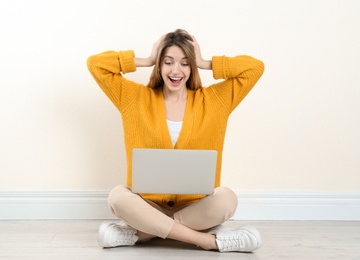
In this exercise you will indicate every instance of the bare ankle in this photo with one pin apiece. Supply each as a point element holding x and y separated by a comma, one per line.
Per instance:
<point>143,237</point>
<point>209,243</point>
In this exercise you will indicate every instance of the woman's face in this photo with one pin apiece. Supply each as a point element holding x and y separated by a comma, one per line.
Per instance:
<point>175,69</point>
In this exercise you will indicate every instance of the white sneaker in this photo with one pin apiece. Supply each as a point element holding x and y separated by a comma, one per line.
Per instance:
<point>116,233</point>
<point>242,239</point>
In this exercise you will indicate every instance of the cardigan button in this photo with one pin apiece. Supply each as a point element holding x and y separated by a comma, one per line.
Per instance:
<point>170,203</point>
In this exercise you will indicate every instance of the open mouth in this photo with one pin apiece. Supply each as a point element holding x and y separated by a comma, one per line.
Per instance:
<point>175,81</point>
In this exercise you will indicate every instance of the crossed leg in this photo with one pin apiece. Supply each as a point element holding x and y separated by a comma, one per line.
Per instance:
<point>184,224</point>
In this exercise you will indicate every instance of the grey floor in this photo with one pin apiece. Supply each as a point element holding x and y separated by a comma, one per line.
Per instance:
<point>77,240</point>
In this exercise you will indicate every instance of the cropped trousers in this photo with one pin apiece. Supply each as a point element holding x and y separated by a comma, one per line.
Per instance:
<point>151,218</point>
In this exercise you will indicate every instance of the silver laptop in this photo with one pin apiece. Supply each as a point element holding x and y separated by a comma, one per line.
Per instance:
<point>173,171</point>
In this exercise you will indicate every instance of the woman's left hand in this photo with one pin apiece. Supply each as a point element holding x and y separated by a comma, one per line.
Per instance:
<point>200,62</point>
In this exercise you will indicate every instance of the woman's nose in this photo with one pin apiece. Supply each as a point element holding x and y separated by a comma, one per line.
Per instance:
<point>175,68</point>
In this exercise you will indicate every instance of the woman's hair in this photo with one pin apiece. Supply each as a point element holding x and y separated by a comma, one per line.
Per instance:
<point>181,39</point>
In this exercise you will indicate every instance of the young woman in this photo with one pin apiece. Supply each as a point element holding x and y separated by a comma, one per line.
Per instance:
<point>174,111</point>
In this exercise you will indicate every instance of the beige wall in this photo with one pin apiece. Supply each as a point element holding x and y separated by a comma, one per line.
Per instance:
<point>298,130</point>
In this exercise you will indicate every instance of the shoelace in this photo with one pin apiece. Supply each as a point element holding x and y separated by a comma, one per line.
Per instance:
<point>234,242</point>
<point>124,234</point>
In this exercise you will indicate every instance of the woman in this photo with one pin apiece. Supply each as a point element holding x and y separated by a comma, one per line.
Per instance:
<point>174,111</point>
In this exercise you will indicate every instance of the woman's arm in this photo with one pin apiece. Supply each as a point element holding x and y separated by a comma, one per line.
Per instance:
<point>108,68</point>
<point>240,74</point>
<point>143,62</point>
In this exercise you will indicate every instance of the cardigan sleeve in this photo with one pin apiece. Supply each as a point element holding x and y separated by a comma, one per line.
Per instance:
<point>107,69</point>
<point>240,74</point>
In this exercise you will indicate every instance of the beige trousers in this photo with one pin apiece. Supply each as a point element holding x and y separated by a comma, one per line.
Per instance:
<point>153,219</point>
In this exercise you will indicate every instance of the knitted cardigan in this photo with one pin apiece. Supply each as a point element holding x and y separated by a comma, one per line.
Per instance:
<point>143,110</point>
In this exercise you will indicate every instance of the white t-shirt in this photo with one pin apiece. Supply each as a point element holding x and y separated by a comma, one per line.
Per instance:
<point>174,129</point>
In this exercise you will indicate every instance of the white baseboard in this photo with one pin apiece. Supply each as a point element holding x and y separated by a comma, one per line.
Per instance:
<point>54,205</point>
<point>42,205</point>
<point>298,206</point>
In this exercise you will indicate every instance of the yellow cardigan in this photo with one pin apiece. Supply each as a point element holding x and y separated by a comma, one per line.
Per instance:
<point>143,110</point>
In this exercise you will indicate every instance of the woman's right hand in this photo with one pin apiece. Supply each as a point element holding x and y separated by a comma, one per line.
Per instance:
<point>150,61</point>
<point>155,50</point>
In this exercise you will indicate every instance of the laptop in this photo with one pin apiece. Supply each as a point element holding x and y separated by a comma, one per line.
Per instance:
<point>173,171</point>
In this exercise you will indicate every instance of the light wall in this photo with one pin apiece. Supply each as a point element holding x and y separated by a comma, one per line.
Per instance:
<point>298,130</point>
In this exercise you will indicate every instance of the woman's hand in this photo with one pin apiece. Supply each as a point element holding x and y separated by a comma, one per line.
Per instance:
<point>155,50</point>
<point>150,61</point>
<point>200,62</point>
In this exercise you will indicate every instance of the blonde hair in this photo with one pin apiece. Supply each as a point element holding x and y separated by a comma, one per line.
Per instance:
<point>180,38</point>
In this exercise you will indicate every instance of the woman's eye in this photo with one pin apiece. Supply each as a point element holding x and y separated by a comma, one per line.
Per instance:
<point>185,64</point>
